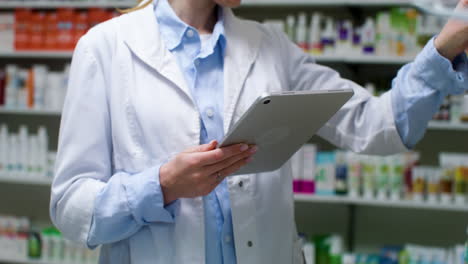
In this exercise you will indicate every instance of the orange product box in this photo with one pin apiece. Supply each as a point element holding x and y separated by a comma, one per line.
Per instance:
<point>65,37</point>
<point>22,27</point>
<point>37,33</point>
<point>96,16</point>
<point>81,23</point>
<point>50,41</point>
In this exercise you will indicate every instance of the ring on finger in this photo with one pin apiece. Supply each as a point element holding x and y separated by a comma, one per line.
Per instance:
<point>219,177</point>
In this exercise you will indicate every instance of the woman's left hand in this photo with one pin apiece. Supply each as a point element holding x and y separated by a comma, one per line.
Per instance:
<point>453,39</point>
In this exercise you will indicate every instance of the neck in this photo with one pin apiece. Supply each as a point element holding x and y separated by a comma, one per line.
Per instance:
<point>199,14</point>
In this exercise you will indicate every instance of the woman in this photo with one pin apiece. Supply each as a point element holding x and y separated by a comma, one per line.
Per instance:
<point>150,94</point>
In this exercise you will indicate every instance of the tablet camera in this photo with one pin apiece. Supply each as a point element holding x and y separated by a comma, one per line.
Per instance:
<point>267,101</point>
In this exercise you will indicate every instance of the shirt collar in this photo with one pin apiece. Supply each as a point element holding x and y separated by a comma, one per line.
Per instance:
<point>173,29</point>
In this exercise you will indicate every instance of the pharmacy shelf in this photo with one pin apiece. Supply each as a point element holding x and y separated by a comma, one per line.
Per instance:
<point>39,181</point>
<point>29,112</point>
<point>31,261</point>
<point>378,203</point>
<point>6,4</point>
<point>445,125</point>
<point>364,59</point>
<point>343,200</point>
<point>356,59</point>
<point>37,54</point>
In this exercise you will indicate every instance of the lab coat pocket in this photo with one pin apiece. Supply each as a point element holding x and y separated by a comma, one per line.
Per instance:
<point>298,254</point>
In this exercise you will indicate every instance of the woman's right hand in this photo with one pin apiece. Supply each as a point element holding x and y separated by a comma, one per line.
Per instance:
<point>198,170</point>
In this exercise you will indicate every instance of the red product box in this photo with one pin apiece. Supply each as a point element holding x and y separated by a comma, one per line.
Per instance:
<point>50,41</point>
<point>22,28</point>
<point>38,31</point>
<point>81,23</point>
<point>65,36</point>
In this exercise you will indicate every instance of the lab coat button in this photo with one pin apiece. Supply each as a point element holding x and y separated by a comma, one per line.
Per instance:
<point>249,244</point>
<point>189,33</point>
<point>241,183</point>
<point>210,112</point>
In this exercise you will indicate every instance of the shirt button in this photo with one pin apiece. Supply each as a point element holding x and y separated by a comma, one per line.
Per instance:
<point>249,244</point>
<point>210,112</point>
<point>189,33</point>
<point>227,239</point>
<point>241,183</point>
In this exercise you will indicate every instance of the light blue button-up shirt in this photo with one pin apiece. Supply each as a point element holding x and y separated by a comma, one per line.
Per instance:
<point>201,63</point>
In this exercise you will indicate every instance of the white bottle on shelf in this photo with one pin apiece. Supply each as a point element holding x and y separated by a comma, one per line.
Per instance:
<point>315,45</point>
<point>3,149</point>
<point>23,150</point>
<point>301,32</point>
<point>11,90</point>
<point>40,82</point>
<point>43,150</point>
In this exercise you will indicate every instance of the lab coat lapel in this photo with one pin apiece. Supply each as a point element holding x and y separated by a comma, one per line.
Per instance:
<point>242,47</point>
<point>141,34</point>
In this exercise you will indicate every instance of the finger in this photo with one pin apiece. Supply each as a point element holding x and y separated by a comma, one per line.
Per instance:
<point>202,148</point>
<point>211,169</point>
<point>220,154</point>
<point>234,167</point>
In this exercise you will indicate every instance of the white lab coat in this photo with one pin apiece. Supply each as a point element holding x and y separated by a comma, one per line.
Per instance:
<point>128,107</point>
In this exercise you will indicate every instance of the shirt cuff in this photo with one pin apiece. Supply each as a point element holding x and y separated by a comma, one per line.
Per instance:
<point>146,199</point>
<point>430,66</point>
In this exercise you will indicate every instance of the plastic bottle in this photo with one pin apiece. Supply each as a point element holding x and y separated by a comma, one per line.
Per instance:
<point>315,44</point>
<point>354,175</point>
<point>345,30</point>
<point>460,182</point>
<point>290,26</point>
<point>383,178</point>
<point>301,32</point>
<point>419,183</point>
<point>325,173</point>
<point>383,34</point>
<point>396,177</point>
<point>310,156</point>
<point>23,150</point>
<point>328,37</point>
<point>341,181</point>
<point>368,36</point>
<point>43,143</point>
<point>336,249</point>
<point>433,188</point>
<point>369,172</point>
<point>447,178</point>
<point>3,149</point>
<point>466,248</point>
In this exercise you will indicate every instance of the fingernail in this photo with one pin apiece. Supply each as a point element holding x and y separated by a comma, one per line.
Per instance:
<point>253,149</point>
<point>244,147</point>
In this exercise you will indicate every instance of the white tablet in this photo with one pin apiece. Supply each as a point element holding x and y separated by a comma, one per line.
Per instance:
<point>280,123</point>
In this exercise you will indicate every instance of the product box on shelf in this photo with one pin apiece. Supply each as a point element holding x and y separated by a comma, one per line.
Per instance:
<point>394,32</point>
<point>330,249</point>
<point>24,155</point>
<point>391,178</point>
<point>26,29</point>
<point>34,88</point>
<point>20,241</point>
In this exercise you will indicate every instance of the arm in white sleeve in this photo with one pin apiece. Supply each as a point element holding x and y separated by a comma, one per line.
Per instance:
<point>90,203</point>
